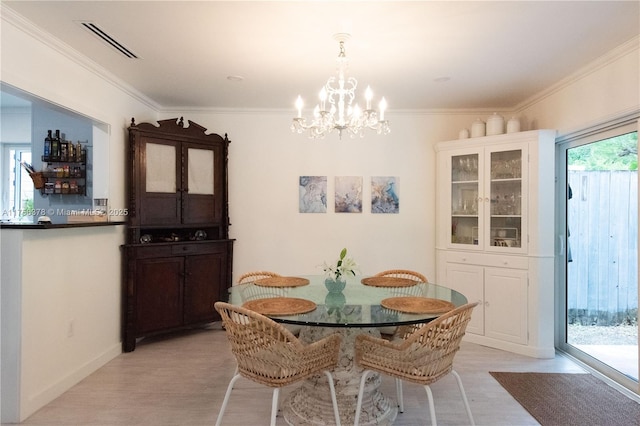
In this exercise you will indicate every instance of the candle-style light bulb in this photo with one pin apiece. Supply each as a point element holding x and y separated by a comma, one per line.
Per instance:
<point>323,98</point>
<point>368,95</point>
<point>299,105</point>
<point>383,107</point>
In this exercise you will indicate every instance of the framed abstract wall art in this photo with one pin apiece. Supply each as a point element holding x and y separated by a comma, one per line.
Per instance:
<point>312,194</point>
<point>384,194</point>
<point>348,194</point>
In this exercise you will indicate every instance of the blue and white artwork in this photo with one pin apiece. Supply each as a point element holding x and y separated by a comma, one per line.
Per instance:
<point>384,194</point>
<point>312,194</point>
<point>348,194</point>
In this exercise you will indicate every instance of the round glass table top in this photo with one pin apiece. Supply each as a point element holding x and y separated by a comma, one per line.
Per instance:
<point>357,305</point>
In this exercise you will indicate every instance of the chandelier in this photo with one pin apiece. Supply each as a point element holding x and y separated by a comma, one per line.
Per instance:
<point>335,110</point>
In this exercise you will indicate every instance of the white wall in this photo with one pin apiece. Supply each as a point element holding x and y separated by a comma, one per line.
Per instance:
<point>71,308</point>
<point>265,162</point>
<point>16,125</point>
<point>68,274</point>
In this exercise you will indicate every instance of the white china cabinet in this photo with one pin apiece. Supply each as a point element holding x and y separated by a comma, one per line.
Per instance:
<point>494,239</point>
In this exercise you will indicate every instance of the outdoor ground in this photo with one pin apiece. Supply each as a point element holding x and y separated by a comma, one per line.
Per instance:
<point>602,335</point>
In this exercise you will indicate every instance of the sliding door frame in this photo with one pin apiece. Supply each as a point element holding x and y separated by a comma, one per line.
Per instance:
<point>623,124</point>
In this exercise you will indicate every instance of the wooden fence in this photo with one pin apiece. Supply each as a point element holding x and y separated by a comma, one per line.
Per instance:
<point>602,281</point>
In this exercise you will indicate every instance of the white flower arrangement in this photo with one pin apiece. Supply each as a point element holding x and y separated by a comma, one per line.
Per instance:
<point>342,267</point>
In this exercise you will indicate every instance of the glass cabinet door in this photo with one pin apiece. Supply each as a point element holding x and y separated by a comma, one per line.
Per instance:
<point>160,186</point>
<point>506,198</point>
<point>465,219</point>
<point>160,168</point>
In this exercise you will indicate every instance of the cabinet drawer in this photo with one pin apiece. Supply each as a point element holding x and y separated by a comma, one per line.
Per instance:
<point>173,249</point>
<point>149,251</point>
<point>196,248</point>
<point>515,262</point>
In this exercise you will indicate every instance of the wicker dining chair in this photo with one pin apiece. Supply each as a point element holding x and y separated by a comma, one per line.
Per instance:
<point>267,353</point>
<point>423,355</point>
<point>389,332</point>
<point>256,292</point>
<point>256,275</point>
<point>403,273</point>
<point>253,292</point>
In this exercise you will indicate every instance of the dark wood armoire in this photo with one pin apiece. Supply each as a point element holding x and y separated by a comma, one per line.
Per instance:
<point>178,255</point>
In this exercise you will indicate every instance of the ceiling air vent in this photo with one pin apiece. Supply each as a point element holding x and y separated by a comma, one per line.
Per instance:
<point>90,26</point>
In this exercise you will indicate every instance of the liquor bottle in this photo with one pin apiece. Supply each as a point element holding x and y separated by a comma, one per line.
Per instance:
<point>47,145</point>
<point>55,146</point>
<point>71,152</point>
<point>64,150</point>
<point>79,152</point>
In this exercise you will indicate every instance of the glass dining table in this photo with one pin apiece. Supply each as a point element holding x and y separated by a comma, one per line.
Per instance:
<point>313,308</point>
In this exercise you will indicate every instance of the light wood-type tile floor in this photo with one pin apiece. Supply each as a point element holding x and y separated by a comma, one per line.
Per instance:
<point>181,380</point>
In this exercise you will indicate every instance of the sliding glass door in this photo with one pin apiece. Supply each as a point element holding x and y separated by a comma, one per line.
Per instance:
<point>599,248</point>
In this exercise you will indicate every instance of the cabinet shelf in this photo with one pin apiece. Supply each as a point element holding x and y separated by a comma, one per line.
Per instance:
<point>50,159</point>
<point>507,180</point>
<point>55,175</point>
<point>64,177</point>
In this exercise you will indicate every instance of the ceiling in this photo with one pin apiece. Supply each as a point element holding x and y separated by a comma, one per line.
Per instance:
<point>420,55</point>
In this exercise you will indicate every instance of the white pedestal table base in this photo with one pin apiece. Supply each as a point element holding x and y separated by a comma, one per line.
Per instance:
<point>311,403</point>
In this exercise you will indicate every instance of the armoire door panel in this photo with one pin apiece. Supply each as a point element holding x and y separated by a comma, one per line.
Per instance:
<point>506,304</point>
<point>198,209</point>
<point>160,209</point>
<point>468,280</point>
<point>158,293</point>
<point>203,286</point>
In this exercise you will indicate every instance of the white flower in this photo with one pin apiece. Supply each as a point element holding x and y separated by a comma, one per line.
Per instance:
<point>342,267</point>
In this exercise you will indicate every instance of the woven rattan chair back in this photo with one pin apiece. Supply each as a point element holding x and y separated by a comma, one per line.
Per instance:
<point>269,354</point>
<point>403,273</point>
<point>390,331</point>
<point>256,275</point>
<point>253,292</point>
<point>422,353</point>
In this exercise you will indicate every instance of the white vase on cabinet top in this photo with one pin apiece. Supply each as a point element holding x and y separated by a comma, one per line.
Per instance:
<point>495,125</point>
<point>478,129</point>
<point>513,125</point>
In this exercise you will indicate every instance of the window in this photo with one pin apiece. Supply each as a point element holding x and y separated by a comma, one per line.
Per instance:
<point>17,186</point>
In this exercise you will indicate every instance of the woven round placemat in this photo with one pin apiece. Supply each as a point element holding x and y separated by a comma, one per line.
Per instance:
<point>388,282</point>
<point>417,305</point>
<point>281,282</point>
<point>280,306</point>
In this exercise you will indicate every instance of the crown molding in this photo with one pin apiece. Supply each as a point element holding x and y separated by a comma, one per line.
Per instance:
<point>13,18</point>
<point>608,58</point>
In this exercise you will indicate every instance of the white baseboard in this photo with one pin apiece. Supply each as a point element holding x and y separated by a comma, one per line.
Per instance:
<point>33,403</point>
<point>532,351</point>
